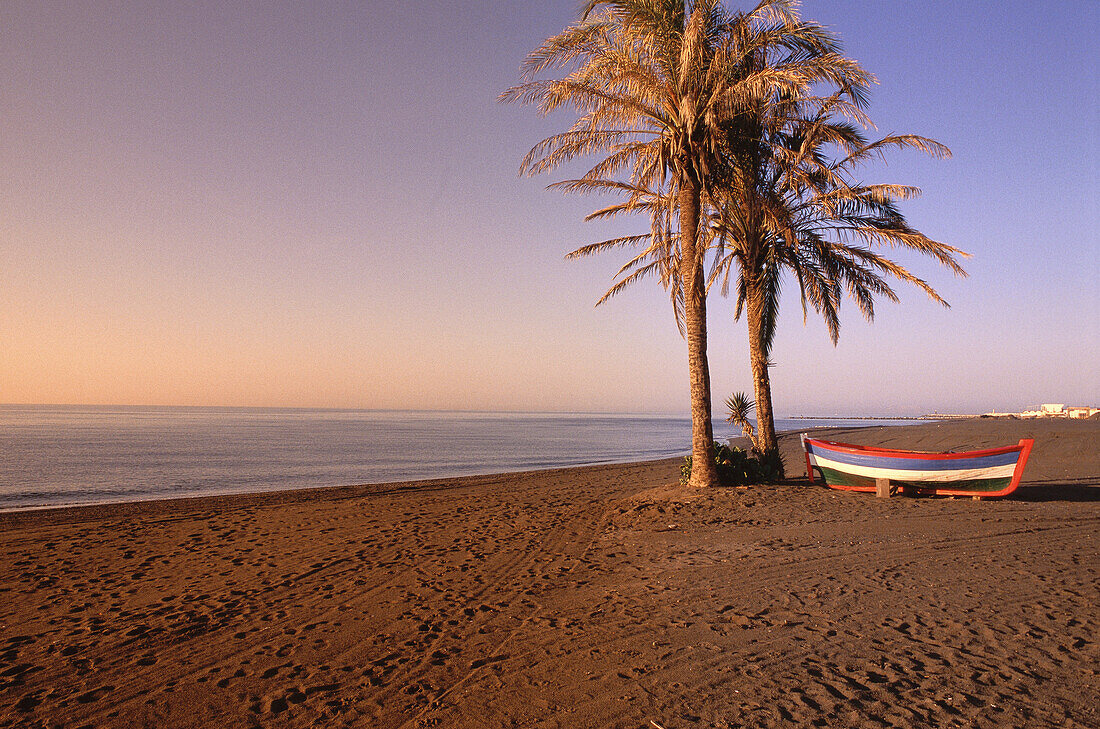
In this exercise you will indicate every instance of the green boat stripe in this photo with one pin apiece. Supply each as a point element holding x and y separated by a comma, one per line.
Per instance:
<point>840,478</point>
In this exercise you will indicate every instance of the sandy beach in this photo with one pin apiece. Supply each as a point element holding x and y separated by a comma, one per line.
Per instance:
<point>603,596</point>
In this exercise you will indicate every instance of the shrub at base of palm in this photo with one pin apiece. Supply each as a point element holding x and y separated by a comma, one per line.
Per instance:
<point>769,463</point>
<point>737,467</point>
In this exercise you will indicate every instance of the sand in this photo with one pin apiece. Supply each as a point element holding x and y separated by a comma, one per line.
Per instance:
<point>592,597</point>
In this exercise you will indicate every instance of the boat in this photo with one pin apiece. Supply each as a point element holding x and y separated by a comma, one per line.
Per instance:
<point>979,474</point>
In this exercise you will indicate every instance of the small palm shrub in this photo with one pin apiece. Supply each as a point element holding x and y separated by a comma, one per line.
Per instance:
<point>741,407</point>
<point>737,466</point>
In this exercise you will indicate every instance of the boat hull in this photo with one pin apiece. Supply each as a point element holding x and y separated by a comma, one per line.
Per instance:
<point>985,473</point>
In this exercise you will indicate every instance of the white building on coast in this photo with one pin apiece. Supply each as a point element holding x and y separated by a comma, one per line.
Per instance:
<point>1057,410</point>
<point>1081,412</point>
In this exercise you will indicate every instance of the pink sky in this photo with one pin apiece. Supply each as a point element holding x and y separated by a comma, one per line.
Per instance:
<point>293,204</point>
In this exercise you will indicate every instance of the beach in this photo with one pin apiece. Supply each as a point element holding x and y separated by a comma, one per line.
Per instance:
<point>603,596</point>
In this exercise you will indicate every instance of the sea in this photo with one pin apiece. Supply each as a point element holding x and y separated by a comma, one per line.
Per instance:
<point>76,455</point>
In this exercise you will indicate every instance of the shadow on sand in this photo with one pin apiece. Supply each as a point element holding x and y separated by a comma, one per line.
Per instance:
<point>1081,490</point>
<point>1058,490</point>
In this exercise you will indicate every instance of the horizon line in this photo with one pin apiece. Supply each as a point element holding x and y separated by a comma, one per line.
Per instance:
<point>479,411</point>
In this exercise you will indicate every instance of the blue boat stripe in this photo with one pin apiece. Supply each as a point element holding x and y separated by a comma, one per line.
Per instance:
<point>914,464</point>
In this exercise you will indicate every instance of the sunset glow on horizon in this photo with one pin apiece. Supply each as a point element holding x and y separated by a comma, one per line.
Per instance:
<point>318,206</point>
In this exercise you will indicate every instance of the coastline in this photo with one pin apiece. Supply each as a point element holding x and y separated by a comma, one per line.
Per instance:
<point>191,505</point>
<point>595,596</point>
<point>59,456</point>
<point>138,506</point>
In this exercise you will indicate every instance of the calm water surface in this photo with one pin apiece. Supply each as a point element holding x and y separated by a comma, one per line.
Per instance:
<point>52,455</point>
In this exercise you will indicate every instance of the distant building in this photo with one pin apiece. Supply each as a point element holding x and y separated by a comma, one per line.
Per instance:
<point>1059,410</point>
<point>1081,412</point>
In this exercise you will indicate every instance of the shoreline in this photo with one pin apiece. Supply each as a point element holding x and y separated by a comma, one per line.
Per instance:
<point>294,494</point>
<point>583,597</point>
<point>342,491</point>
<point>278,497</point>
<point>322,490</point>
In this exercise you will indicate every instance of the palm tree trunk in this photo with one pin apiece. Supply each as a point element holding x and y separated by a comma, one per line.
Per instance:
<point>761,380</point>
<point>704,472</point>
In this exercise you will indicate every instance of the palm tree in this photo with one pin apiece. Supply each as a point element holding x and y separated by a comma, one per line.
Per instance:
<point>787,205</point>
<point>655,83</point>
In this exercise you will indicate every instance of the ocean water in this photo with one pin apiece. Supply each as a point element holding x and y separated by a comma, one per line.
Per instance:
<point>69,455</point>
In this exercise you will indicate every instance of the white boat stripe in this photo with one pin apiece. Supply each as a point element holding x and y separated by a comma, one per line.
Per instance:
<point>894,474</point>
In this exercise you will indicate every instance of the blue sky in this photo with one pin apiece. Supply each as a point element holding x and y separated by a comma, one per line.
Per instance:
<point>317,205</point>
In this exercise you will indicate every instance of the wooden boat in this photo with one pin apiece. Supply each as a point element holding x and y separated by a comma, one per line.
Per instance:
<point>985,473</point>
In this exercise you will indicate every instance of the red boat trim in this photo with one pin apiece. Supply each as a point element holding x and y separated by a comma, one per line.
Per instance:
<point>1023,448</point>
<point>920,455</point>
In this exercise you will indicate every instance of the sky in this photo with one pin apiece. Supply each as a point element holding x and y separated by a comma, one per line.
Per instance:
<point>317,205</point>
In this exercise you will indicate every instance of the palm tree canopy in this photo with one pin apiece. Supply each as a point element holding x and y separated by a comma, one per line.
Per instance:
<point>793,203</point>
<point>655,84</point>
